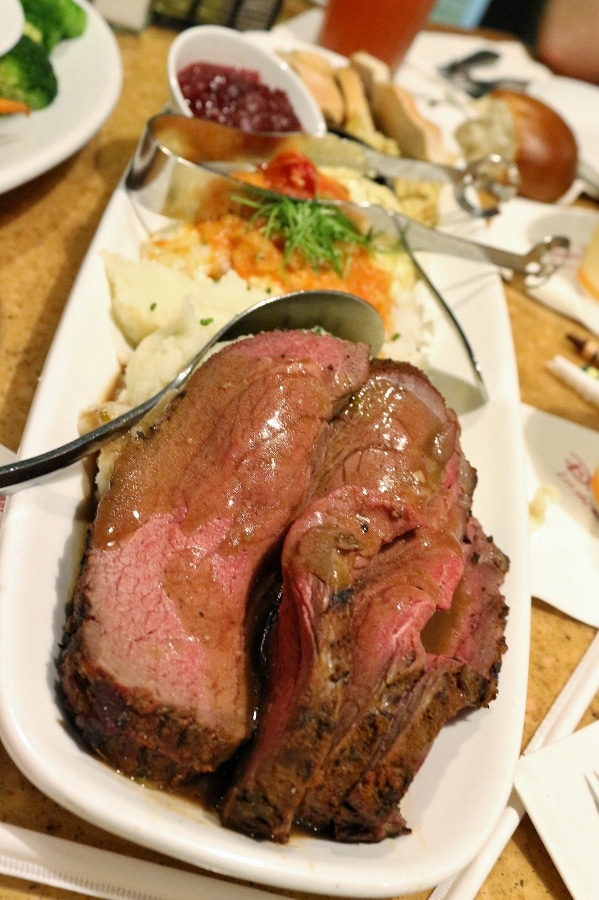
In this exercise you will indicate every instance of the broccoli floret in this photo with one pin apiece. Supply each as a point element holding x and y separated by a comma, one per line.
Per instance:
<point>26,75</point>
<point>74,18</point>
<point>48,22</point>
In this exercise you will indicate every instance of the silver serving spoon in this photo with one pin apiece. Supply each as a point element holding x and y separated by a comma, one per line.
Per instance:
<point>336,312</point>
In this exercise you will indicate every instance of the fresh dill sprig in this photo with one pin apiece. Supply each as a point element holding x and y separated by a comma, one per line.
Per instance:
<point>318,230</point>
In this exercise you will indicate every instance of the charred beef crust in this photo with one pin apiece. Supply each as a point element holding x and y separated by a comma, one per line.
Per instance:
<point>370,813</point>
<point>448,685</point>
<point>127,728</point>
<point>154,663</point>
<point>464,646</point>
<point>407,580</point>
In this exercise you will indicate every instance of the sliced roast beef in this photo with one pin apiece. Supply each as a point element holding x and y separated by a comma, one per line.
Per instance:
<point>377,551</point>
<point>154,665</point>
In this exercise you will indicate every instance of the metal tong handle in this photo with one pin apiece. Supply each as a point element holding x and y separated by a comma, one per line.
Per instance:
<point>496,178</point>
<point>454,322</point>
<point>539,263</point>
<point>482,57</point>
<point>543,258</point>
<point>488,177</point>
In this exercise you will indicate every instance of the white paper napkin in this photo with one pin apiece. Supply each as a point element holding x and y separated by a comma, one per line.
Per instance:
<point>45,859</point>
<point>553,788</point>
<point>564,549</point>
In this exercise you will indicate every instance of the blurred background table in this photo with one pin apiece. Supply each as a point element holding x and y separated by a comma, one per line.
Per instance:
<point>45,229</point>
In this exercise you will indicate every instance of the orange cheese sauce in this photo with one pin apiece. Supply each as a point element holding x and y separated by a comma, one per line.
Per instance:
<point>237,244</point>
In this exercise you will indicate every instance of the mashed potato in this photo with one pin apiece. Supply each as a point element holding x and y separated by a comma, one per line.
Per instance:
<point>167,316</point>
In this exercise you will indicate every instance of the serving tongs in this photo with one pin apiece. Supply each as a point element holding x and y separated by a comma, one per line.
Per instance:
<point>479,187</point>
<point>187,170</point>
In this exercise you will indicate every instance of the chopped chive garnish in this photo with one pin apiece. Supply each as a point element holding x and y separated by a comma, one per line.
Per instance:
<point>318,230</point>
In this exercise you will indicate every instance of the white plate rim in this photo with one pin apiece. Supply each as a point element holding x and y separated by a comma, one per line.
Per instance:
<point>12,25</point>
<point>90,73</point>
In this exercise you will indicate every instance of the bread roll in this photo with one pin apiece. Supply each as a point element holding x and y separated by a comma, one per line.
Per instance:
<point>529,133</point>
<point>546,151</point>
<point>396,114</point>
<point>318,76</point>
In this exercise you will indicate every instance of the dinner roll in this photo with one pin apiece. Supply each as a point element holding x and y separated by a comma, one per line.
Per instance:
<point>528,132</point>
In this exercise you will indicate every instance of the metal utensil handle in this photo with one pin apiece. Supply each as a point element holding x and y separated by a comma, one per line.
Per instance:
<point>540,261</point>
<point>479,58</point>
<point>474,364</point>
<point>14,475</point>
<point>489,176</point>
<point>303,310</point>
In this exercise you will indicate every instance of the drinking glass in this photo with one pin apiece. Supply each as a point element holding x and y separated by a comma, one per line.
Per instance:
<point>383,28</point>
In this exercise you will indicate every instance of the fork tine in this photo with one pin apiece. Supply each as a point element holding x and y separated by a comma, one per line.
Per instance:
<point>593,785</point>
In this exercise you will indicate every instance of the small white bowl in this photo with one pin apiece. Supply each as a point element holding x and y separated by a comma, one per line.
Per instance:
<point>227,47</point>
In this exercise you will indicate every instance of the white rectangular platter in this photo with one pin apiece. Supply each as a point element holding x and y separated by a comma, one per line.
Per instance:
<point>461,789</point>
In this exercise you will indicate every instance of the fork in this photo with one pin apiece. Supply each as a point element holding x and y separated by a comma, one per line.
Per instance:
<point>458,73</point>
<point>592,781</point>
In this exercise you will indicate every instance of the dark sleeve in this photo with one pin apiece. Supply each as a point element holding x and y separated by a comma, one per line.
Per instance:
<point>518,17</point>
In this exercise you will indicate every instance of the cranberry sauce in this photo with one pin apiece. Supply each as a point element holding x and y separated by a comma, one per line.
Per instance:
<point>236,97</point>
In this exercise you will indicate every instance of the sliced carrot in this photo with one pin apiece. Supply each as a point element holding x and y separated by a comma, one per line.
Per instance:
<point>9,107</point>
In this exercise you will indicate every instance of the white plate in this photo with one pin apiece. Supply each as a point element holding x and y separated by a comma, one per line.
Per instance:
<point>563,806</point>
<point>465,782</point>
<point>564,549</point>
<point>89,73</point>
<point>12,24</point>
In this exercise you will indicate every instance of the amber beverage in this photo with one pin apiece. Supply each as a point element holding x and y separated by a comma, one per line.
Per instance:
<point>384,28</point>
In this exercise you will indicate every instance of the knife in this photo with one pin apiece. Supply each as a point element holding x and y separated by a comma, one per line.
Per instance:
<point>483,57</point>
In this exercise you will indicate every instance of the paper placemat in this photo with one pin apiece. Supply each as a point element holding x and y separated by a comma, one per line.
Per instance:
<point>556,786</point>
